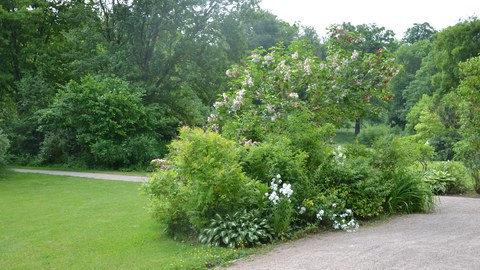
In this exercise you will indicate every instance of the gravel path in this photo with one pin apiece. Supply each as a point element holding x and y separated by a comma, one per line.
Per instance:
<point>103,176</point>
<point>449,238</point>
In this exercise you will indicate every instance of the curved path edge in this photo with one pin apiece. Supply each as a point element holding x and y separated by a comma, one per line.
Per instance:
<point>448,238</point>
<point>103,176</point>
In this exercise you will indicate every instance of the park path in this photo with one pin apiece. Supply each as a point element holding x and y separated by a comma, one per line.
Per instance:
<point>104,176</point>
<point>448,238</point>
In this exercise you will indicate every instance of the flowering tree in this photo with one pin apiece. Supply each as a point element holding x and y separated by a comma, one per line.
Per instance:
<point>273,85</point>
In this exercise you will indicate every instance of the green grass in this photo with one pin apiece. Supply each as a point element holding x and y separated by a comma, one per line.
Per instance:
<point>344,136</point>
<point>58,222</point>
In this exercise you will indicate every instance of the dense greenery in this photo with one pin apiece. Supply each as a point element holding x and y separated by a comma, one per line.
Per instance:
<point>175,52</point>
<point>4,144</point>
<point>269,147</point>
<point>249,106</point>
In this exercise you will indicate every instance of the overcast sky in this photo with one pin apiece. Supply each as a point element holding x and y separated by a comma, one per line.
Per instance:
<point>395,15</point>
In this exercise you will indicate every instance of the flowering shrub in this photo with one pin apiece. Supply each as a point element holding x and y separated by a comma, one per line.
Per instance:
<point>277,82</point>
<point>281,205</point>
<point>268,146</point>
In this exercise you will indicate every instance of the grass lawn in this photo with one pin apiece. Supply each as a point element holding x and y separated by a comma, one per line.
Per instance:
<point>61,222</point>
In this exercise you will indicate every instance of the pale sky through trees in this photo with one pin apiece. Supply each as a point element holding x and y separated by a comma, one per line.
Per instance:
<point>395,15</point>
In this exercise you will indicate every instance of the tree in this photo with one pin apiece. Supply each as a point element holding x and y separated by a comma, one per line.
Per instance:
<point>375,39</point>
<point>411,57</point>
<point>419,31</point>
<point>468,97</point>
<point>275,84</point>
<point>453,45</point>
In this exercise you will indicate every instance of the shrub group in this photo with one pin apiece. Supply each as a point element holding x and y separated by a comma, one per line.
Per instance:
<point>99,122</point>
<point>4,144</point>
<point>265,165</point>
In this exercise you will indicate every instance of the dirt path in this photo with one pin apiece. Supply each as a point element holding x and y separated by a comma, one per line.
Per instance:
<point>103,176</point>
<point>449,238</point>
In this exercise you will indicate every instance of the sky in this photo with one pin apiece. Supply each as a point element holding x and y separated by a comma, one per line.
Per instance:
<point>396,15</point>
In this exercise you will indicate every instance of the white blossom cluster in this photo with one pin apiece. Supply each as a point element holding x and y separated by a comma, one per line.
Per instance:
<point>277,195</point>
<point>161,163</point>
<point>344,221</point>
<point>340,157</point>
<point>238,101</point>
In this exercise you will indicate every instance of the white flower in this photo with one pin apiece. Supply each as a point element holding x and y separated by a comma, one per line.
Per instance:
<point>241,92</point>
<point>212,117</point>
<point>268,59</point>
<point>249,142</point>
<point>279,176</point>
<point>354,55</point>
<point>295,55</point>
<point>334,205</point>
<point>255,58</point>
<point>348,211</point>
<point>218,104</point>
<point>302,210</point>
<point>307,66</point>
<point>228,73</point>
<point>286,190</point>
<point>293,95</point>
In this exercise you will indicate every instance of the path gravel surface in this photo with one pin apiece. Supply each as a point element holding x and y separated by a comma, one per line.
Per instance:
<point>103,176</point>
<point>449,238</point>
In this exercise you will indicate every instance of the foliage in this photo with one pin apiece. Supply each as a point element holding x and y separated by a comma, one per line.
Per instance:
<point>263,161</point>
<point>242,229</point>
<point>454,170</point>
<point>4,144</point>
<point>281,205</point>
<point>203,178</point>
<point>333,212</point>
<point>273,84</point>
<point>419,31</point>
<point>442,182</point>
<point>100,122</point>
<point>354,179</point>
<point>468,93</point>
<point>409,194</point>
<point>371,133</point>
<point>411,57</point>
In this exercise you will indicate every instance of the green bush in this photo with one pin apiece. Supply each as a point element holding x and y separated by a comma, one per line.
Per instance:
<point>263,161</point>
<point>447,178</point>
<point>356,177</point>
<point>242,229</point>
<point>203,178</point>
<point>409,194</point>
<point>100,122</point>
<point>4,144</point>
<point>370,134</point>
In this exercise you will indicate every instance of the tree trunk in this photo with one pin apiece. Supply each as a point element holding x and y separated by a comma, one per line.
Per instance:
<point>357,127</point>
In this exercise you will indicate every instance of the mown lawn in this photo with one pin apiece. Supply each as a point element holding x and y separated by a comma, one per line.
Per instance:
<point>59,222</point>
